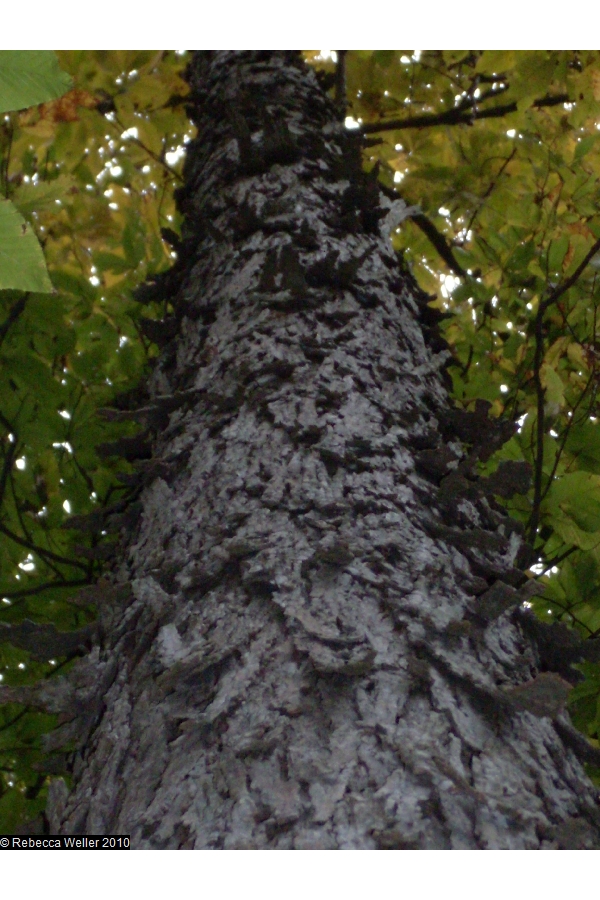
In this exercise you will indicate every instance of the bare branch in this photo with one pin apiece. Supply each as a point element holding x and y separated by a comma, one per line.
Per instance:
<point>464,114</point>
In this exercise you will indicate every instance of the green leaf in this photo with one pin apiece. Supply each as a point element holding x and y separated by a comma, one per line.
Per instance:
<point>29,77</point>
<point>584,443</point>
<point>22,264</point>
<point>584,146</point>
<point>41,196</point>
<point>134,243</point>
<point>495,61</point>
<point>575,488</point>
<point>384,58</point>
<point>571,534</point>
<point>111,262</point>
<point>557,252</point>
<point>522,256</point>
<point>554,395</point>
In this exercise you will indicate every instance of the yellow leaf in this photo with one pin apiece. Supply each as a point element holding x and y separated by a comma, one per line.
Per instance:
<point>555,352</point>
<point>575,354</point>
<point>495,61</point>
<point>571,534</point>
<point>44,129</point>
<point>595,81</point>
<point>554,387</point>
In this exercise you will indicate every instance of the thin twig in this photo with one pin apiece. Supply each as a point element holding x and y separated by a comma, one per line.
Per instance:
<point>12,721</point>
<point>43,554</point>
<point>489,189</point>
<point>21,595</point>
<point>558,291</point>
<point>9,130</point>
<point>14,313</point>
<point>6,467</point>
<point>566,432</point>
<point>116,122</point>
<point>557,559</point>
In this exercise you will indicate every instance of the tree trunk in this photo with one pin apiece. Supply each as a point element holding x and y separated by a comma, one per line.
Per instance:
<point>313,640</point>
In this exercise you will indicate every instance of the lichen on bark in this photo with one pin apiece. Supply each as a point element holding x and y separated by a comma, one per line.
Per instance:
<point>301,649</point>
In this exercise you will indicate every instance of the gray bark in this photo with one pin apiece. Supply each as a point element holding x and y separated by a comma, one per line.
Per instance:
<point>311,641</point>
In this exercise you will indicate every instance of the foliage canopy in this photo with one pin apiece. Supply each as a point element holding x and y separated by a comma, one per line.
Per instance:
<point>500,153</point>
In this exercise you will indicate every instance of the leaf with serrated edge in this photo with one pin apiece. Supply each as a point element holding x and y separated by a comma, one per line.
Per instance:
<point>29,77</point>
<point>22,263</point>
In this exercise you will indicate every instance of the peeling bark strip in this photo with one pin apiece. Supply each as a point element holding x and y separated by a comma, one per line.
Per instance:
<point>312,645</point>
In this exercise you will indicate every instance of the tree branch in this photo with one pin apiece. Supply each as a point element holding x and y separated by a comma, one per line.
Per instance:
<point>23,593</point>
<point>116,123</point>
<point>340,82</point>
<point>465,114</point>
<point>14,313</point>
<point>12,721</point>
<point>436,237</point>
<point>6,467</point>
<point>440,243</point>
<point>566,433</point>
<point>549,563</point>
<point>490,188</point>
<point>539,389</point>
<point>560,289</point>
<point>29,545</point>
<point>540,429</point>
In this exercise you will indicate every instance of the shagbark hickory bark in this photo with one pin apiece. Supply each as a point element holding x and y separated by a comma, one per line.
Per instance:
<point>311,641</point>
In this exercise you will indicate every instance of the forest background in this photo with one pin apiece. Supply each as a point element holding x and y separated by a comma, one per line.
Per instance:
<point>496,152</point>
